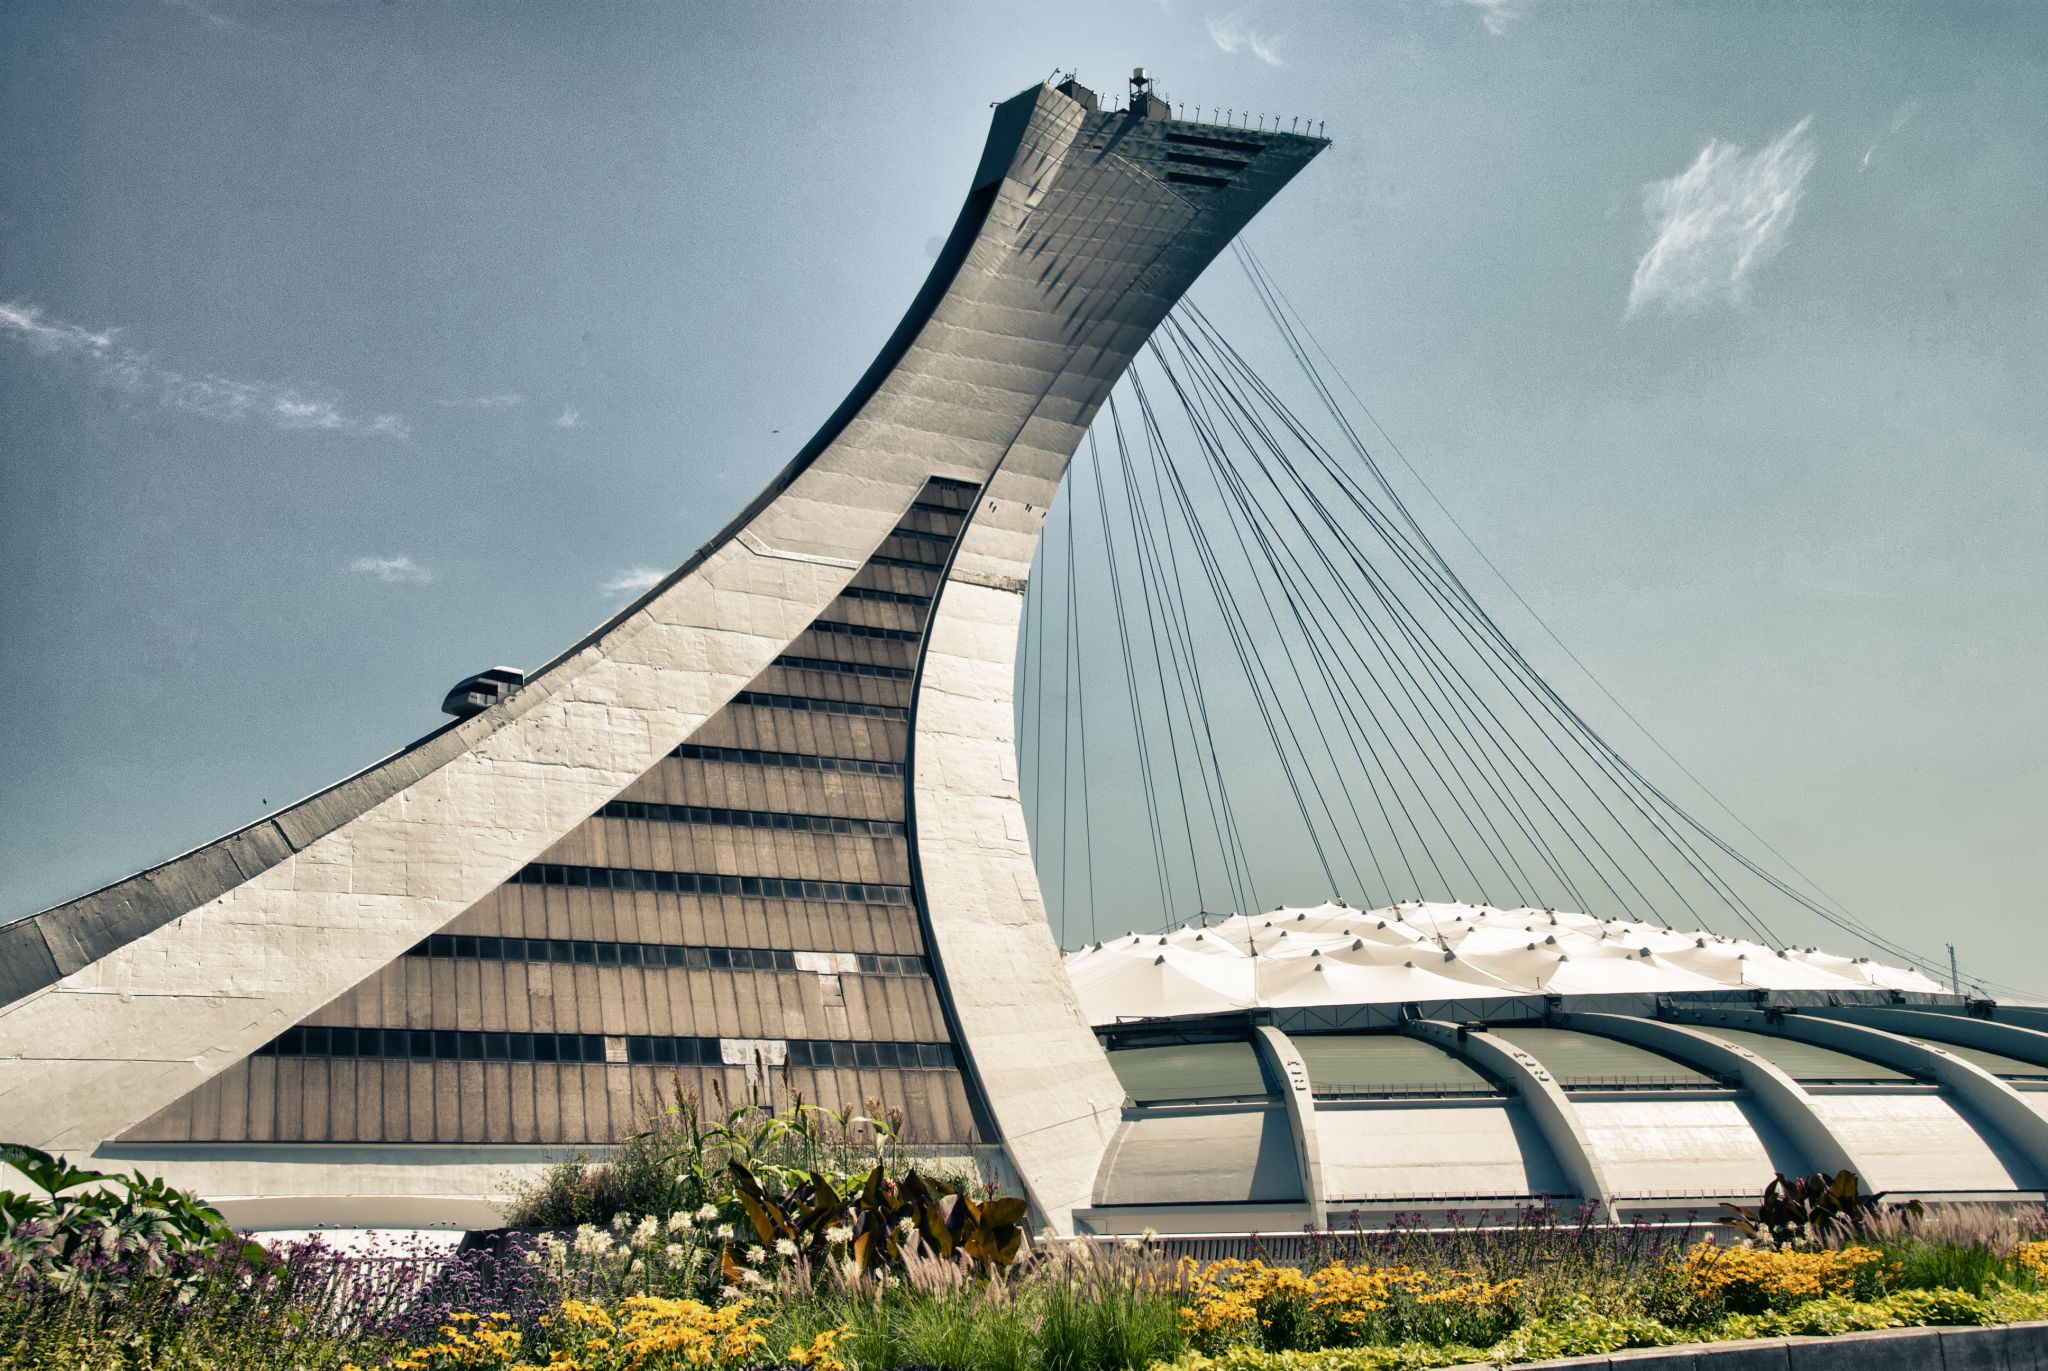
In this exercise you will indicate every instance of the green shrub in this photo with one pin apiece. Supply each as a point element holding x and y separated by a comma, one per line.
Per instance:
<point>1580,1335</point>
<point>1912,1308</point>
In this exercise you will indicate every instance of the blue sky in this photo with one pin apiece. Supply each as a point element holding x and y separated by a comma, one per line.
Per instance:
<point>349,348</point>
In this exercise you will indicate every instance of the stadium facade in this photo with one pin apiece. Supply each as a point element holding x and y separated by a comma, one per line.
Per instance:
<point>766,819</point>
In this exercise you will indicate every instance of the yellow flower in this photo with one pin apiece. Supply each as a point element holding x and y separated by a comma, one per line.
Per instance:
<point>1773,1277</point>
<point>818,1354</point>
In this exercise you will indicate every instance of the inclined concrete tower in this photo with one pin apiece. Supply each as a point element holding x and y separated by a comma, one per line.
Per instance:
<point>766,816</point>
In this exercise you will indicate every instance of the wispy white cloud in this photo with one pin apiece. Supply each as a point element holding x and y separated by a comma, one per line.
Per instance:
<point>634,581</point>
<point>503,399</point>
<point>570,417</point>
<point>391,570</point>
<point>1497,15</point>
<point>132,372</point>
<point>1901,117</point>
<point>1719,220</point>
<point>1232,35</point>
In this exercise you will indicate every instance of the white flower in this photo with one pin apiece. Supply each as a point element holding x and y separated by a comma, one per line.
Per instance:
<point>618,1223</point>
<point>679,1222</point>
<point>706,1212</point>
<point>723,1232</point>
<point>674,1253</point>
<point>752,1277</point>
<point>838,1233</point>
<point>1149,1235</point>
<point>1132,1244</point>
<point>728,1293</point>
<point>784,1247</point>
<point>646,1231</point>
<point>755,1256</point>
<point>904,1225</point>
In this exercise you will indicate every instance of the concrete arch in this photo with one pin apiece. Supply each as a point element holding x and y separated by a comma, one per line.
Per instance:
<point>1297,1092</point>
<point>1547,1102</point>
<point>1782,1098</point>
<point>1996,1100</point>
<point>2011,1040</point>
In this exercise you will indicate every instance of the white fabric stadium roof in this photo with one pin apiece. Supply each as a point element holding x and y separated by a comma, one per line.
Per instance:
<point>1332,954</point>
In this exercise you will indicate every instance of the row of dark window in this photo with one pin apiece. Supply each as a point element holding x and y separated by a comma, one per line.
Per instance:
<point>814,1053</point>
<point>888,597</point>
<point>747,818</point>
<point>908,563</point>
<point>1224,144</point>
<point>811,706</point>
<point>942,540</point>
<point>456,1045</point>
<point>927,507</point>
<point>1189,178</point>
<point>798,761</point>
<point>886,673</point>
<point>893,635</point>
<point>1197,159</point>
<point>704,883</point>
<point>584,952</point>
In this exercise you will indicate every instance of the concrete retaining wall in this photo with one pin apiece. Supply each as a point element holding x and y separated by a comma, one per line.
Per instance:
<point>2012,1347</point>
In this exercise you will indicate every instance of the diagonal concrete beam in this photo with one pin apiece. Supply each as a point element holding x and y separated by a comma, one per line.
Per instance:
<point>1995,1099</point>
<point>1298,1093</point>
<point>1555,1116</point>
<point>1782,1098</point>
<point>2011,1040</point>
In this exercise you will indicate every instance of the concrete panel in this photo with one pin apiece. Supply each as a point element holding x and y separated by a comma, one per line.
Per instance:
<point>1676,1148</point>
<point>1450,1149</point>
<point>1196,1156</point>
<point>1922,1143</point>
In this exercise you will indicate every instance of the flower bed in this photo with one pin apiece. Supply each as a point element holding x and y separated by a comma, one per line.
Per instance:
<point>791,1244</point>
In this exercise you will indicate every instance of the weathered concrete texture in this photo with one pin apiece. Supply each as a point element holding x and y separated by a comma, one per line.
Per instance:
<point>1076,239</point>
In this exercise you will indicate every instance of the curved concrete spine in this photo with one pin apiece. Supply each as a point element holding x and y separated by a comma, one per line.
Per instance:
<point>1781,1097</point>
<point>1055,1101</point>
<point>1548,1104</point>
<point>1298,1093</point>
<point>1075,240</point>
<point>2024,1044</point>
<point>1996,1100</point>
